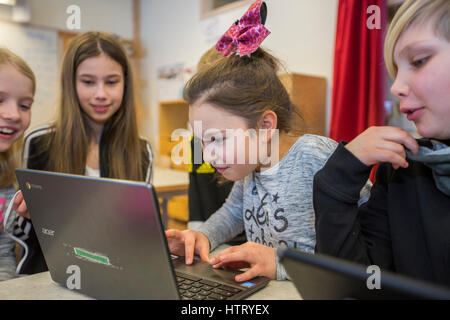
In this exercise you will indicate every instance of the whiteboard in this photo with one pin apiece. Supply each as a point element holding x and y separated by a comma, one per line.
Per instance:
<point>39,48</point>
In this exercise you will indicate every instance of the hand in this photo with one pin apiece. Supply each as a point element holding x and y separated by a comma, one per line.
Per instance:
<point>383,144</point>
<point>187,243</point>
<point>20,206</point>
<point>259,258</point>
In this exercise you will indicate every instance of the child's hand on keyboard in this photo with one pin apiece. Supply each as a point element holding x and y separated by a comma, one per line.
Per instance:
<point>187,242</point>
<point>259,258</point>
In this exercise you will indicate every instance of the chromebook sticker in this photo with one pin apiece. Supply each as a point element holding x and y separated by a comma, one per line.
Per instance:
<point>93,257</point>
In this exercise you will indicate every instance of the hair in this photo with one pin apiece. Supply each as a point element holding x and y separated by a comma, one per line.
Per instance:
<point>415,12</point>
<point>68,145</point>
<point>208,58</point>
<point>10,158</point>
<point>244,86</point>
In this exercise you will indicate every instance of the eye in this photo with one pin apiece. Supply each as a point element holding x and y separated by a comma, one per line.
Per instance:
<point>88,82</point>
<point>24,107</point>
<point>419,62</point>
<point>218,139</point>
<point>212,139</point>
<point>111,83</point>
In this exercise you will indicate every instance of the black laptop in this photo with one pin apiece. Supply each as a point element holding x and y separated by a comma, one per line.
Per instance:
<point>322,277</point>
<point>110,231</point>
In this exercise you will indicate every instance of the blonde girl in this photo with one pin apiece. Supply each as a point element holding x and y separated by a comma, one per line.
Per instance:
<point>17,88</point>
<point>406,222</point>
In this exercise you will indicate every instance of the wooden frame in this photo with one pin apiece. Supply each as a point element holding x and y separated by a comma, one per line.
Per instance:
<point>207,11</point>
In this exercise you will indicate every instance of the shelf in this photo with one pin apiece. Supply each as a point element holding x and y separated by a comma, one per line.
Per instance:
<point>173,103</point>
<point>173,114</point>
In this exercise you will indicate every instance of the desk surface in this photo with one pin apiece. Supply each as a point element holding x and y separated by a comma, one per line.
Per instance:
<point>164,178</point>
<point>41,287</point>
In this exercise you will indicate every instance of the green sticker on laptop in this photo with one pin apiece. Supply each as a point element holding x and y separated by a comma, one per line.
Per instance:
<point>94,257</point>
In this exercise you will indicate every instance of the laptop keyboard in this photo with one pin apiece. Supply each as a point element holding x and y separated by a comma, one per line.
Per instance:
<point>195,288</point>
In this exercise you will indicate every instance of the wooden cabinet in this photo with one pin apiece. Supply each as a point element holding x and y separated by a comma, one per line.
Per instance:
<point>308,93</point>
<point>172,115</point>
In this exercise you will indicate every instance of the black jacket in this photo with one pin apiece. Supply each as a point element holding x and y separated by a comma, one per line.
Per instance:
<point>36,157</point>
<point>404,226</point>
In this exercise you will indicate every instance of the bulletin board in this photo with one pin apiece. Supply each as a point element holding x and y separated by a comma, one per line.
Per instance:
<point>39,47</point>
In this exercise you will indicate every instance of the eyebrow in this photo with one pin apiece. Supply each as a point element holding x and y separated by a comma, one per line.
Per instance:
<point>87,75</point>
<point>418,45</point>
<point>27,98</point>
<point>31,98</point>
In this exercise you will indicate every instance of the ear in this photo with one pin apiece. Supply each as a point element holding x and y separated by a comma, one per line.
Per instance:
<point>268,121</point>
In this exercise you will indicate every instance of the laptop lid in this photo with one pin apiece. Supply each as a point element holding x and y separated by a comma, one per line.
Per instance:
<point>109,229</point>
<point>318,276</point>
<point>112,231</point>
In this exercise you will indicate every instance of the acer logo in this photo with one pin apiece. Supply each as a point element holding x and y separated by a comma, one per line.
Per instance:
<point>48,232</point>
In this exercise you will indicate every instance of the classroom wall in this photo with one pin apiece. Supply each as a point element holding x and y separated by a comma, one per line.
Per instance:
<point>39,48</point>
<point>172,31</point>
<point>115,16</point>
<point>47,18</point>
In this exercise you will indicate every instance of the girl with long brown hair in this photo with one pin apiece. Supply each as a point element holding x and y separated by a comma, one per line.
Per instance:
<point>96,130</point>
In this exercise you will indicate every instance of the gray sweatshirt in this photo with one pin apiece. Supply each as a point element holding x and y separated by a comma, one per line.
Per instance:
<point>275,206</point>
<point>7,245</point>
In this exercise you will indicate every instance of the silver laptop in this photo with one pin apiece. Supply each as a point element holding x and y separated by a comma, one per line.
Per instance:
<point>104,238</point>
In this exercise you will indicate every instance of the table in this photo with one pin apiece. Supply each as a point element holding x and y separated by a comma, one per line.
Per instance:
<point>41,287</point>
<point>169,183</point>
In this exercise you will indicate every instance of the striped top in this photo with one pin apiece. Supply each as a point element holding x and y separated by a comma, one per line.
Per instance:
<point>7,245</point>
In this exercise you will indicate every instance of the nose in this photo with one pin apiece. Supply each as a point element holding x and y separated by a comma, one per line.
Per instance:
<point>100,92</point>
<point>210,154</point>
<point>10,111</point>
<point>400,88</point>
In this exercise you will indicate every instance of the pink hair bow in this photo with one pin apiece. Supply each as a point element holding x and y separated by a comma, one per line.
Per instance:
<point>246,35</point>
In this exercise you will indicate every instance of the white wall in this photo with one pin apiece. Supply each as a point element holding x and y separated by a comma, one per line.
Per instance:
<point>302,37</point>
<point>115,16</point>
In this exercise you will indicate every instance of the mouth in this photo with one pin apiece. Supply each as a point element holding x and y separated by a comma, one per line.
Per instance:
<point>100,108</point>
<point>7,132</point>
<point>221,170</point>
<point>412,113</point>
